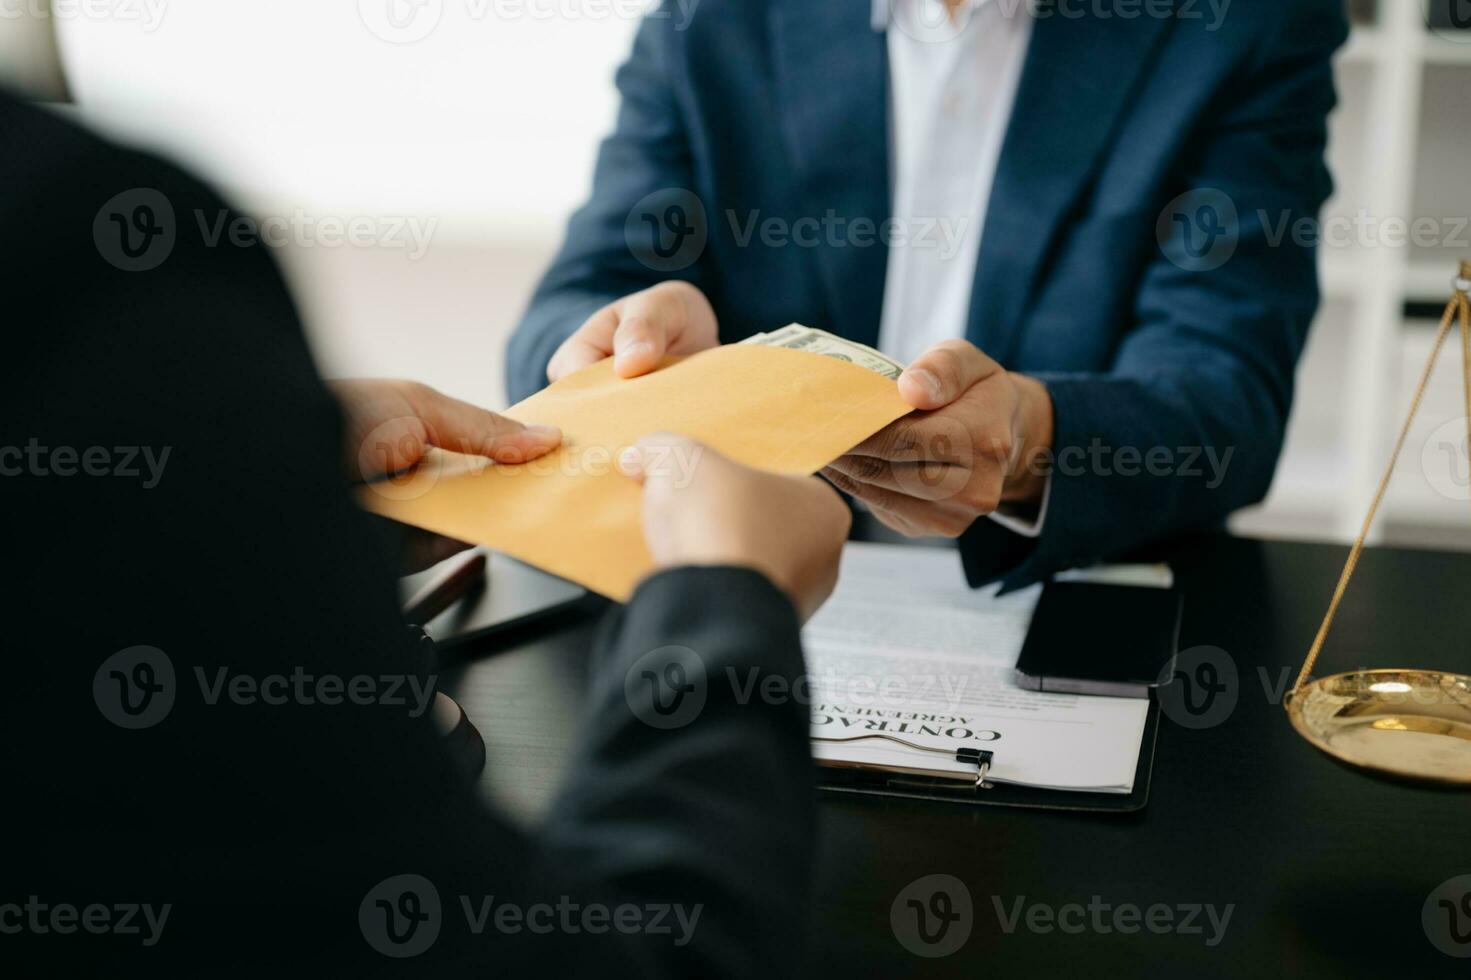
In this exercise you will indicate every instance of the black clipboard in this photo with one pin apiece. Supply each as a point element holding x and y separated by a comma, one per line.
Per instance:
<point>873,782</point>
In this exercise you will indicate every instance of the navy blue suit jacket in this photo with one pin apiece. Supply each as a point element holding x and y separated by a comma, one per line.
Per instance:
<point>1166,330</point>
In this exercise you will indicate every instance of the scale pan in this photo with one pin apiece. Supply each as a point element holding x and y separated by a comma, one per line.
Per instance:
<point>1405,724</point>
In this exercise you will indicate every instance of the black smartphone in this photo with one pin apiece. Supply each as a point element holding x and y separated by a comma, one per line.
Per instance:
<point>1115,640</point>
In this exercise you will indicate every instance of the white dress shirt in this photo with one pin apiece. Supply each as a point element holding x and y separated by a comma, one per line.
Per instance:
<point>953,84</point>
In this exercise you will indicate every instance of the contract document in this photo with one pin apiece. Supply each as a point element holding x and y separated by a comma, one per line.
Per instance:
<point>908,664</point>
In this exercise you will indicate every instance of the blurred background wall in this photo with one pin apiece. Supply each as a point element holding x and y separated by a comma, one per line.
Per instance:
<point>475,119</point>
<point>478,119</point>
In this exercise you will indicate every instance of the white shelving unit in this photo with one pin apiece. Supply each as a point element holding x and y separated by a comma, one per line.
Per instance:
<point>1400,149</point>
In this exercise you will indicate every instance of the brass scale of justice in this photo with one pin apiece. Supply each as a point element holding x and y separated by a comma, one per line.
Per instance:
<point>1402,724</point>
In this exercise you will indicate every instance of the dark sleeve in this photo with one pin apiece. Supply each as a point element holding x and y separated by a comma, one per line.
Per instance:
<point>1206,373</point>
<point>698,739</point>
<point>211,524</point>
<point>608,250</point>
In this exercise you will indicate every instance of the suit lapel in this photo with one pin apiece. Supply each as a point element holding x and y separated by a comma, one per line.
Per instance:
<point>1078,77</point>
<point>831,79</point>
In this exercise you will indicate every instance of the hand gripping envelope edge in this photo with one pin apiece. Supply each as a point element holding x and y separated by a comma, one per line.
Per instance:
<point>572,513</point>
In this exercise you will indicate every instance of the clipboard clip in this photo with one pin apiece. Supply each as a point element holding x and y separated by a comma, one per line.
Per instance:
<point>981,759</point>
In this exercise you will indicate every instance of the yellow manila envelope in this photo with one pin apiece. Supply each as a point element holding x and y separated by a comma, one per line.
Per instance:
<point>574,514</point>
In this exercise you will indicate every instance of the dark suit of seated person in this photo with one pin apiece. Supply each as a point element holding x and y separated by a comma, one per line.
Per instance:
<point>1080,227</point>
<point>174,479</point>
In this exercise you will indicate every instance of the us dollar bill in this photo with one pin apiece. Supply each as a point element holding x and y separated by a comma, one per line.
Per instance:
<point>814,341</point>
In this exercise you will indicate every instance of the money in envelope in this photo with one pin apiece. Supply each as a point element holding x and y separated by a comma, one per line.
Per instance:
<point>790,401</point>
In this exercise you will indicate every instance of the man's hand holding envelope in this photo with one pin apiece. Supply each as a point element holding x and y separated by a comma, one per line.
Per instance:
<point>649,363</point>
<point>969,448</point>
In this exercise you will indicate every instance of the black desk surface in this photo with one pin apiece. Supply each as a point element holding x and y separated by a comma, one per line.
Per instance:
<point>1327,871</point>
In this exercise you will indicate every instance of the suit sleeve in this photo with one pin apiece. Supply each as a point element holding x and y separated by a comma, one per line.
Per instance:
<point>644,166</point>
<point>695,780</point>
<point>295,769</point>
<point>1188,424</point>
